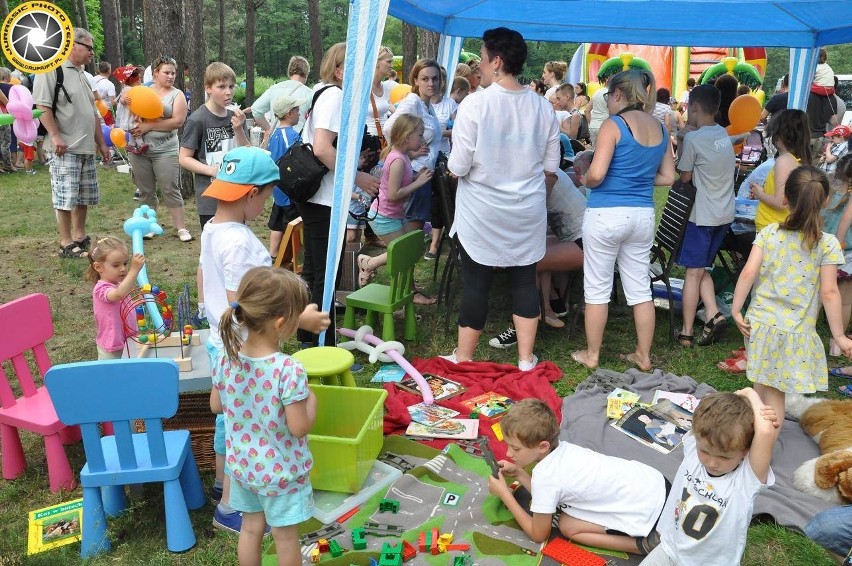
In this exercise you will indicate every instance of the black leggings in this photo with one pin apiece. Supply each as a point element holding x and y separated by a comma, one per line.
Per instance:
<point>316,220</point>
<point>476,284</point>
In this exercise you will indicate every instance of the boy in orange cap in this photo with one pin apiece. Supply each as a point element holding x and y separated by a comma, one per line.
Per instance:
<point>837,148</point>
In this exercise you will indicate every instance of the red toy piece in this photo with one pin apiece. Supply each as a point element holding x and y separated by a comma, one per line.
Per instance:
<point>348,515</point>
<point>322,544</point>
<point>421,542</point>
<point>450,547</point>
<point>433,547</point>
<point>564,552</point>
<point>408,551</point>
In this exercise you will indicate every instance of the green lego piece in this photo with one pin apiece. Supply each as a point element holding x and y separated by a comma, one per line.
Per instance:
<point>391,554</point>
<point>359,541</point>
<point>334,549</point>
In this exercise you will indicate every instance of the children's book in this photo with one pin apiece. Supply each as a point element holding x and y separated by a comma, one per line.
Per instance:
<point>442,388</point>
<point>619,402</point>
<point>464,429</point>
<point>430,415</point>
<point>489,404</point>
<point>55,526</point>
<point>389,373</point>
<point>685,400</point>
<point>651,428</point>
<point>674,413</point>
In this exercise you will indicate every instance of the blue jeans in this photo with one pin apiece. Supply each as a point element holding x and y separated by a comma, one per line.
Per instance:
<point>832,529</point>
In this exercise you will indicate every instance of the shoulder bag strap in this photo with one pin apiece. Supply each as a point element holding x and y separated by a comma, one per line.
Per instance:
<point>376,118</point>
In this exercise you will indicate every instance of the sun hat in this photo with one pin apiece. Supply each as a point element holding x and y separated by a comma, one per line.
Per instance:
<point>242,168</point>
<point>286,102</point>
<point>124,73</point>
<point>842,131</point>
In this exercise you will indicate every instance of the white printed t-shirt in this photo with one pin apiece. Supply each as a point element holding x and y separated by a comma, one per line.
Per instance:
<point>614,493</point>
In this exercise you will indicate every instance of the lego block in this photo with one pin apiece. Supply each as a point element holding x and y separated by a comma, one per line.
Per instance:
<point>498,431</point>
<point>359,541</point>
<point>322,544</point>
<point>348,515</point>
<point>373,562</point>
<point>421,542</point>
<point>408,551</point>
<point>334,549</point>
<point>446,538</point>
<point>564,552</point>
<point>391,505</point>
<point>452,547</point>
<point>462,560</point>
<point>391,554</point>
<point>315,556</point>
<point>433,547</point>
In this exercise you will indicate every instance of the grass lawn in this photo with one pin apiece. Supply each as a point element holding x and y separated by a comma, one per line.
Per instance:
<point>29,263</point>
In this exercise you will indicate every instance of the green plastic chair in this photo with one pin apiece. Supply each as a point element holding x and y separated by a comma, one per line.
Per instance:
<point>403,254</point>
<point>327,365</point>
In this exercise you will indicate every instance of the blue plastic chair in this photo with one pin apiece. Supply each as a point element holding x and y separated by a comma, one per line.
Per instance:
<point>121,391</point>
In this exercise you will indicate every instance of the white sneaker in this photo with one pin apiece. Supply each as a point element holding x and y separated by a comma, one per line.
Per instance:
<point>184,235</point>
<point>451,357</point>
<point>524,365</point>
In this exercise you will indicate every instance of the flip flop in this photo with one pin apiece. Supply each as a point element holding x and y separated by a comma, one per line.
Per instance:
<point>845,390</point>
<point>579,357</point>
<point>365,274</point>
<point>632,358</point>
<point>838,372</point>
<point>733,365</point>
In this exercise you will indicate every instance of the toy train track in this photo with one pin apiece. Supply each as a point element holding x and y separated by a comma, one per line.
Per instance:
<point>380,529</point>
<point>327,532</point>
<point>397,462</point>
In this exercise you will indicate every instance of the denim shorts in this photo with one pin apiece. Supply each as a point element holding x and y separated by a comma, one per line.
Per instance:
<point>382,224</point>
<point>280,510</point>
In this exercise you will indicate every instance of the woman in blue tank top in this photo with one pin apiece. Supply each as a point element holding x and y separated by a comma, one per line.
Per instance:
<point>632,155</point>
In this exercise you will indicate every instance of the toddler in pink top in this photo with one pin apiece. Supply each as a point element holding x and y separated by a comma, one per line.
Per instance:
<point>396,185</point>
<point>114,275</point>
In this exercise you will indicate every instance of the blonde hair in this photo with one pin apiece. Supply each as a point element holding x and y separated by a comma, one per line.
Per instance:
<point>806,190</point>
<point>531,421</point>
<point>264,295</point>
<point>99,253</point>
<point>725,421</point>
<point>298,65</point>
<point>218,71</point>
<point>403,127</point>
<point>462,70</point>
<point>384,50</point>
<point>638,88</point>
<point>332,59</point>
<point>460,84</point>
<point>558,68</point>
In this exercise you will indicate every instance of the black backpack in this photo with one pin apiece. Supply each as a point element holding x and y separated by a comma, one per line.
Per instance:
<point>60,85</point>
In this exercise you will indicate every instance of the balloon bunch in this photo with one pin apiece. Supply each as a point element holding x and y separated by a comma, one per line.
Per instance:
<point>143,102</point>
<point>21,115</point>
<point>115,136</point>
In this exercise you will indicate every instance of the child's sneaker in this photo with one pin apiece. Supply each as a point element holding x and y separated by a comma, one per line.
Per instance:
<point>505,339</point>
<point>30,172</point>
<point>231,522</point>
<point>524,365</point>
<point>137,195</point>
<point>215,496</point>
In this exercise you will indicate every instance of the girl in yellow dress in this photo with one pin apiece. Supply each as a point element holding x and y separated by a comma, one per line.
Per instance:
<point>793,266</point>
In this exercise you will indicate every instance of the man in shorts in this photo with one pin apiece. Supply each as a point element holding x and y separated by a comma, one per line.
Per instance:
<point>74,137</point>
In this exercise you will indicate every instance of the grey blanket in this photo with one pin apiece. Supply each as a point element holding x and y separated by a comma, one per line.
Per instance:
<point>584,423</point>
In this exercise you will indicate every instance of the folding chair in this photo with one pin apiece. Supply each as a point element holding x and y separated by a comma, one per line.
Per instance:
<point>669,238</point>
<point>291,244</point>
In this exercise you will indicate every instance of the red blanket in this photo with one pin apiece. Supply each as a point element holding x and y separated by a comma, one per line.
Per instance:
<point>478,378</point>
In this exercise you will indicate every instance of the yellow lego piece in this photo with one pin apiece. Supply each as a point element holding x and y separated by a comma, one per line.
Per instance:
<point>498,431</point>
<point>315,556</point>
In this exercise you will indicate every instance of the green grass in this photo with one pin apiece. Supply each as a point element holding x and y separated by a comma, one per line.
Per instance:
<point>29,264</point>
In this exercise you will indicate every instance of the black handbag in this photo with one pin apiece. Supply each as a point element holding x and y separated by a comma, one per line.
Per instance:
<point>300,171</point>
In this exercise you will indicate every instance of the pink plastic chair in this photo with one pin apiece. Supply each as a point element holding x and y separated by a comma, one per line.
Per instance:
<point>28,325</point>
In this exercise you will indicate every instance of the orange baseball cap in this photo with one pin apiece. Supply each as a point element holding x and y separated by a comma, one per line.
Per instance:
<point>242,168</point>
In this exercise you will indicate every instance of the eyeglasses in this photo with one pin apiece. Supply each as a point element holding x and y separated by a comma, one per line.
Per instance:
<point>89,47</point>
<point>163,60</point>
<point>606,96</point>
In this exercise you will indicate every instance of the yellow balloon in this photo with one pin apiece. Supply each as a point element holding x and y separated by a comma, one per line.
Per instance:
<point>759,95</point>
<point>118,137</point>
<point>399,92</point>
<point>145,103</point>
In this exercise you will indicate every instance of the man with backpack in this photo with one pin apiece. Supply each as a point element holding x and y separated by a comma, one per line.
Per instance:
<point>74,139</point>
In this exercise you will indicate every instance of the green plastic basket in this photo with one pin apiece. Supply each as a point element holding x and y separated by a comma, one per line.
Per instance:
<point>346,437</point>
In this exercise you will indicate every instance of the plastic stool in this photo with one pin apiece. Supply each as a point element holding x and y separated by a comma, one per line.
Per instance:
<point>327,365</point>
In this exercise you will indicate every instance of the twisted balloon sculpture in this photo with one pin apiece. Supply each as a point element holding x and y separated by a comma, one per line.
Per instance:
<point>144,221</point>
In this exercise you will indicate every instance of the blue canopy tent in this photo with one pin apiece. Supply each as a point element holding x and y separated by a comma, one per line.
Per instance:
<point>801,25</point>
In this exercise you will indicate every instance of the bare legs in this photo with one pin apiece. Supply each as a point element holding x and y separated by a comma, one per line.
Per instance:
<point>72,224</point>
<point>697,284</point>
<point>596,316</point>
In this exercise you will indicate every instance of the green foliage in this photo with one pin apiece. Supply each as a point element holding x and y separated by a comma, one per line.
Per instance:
<point>261,84</point>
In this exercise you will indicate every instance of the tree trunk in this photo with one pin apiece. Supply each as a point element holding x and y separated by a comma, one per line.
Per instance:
<point>159,17</point>
<point>427,44</point>
<point>113,49</point>
<point>409,50</point>
<point>82,15</point>
<point>193,52</point>
<point>251,30</point>
<point>4,9</point>
<point>221,5</point>
<point>316,37</point>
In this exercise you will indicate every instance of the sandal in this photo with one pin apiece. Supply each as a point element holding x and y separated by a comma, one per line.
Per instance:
<point>685,340</point>
<point>845,390</point>
<point>733,365</point>
<point>72,250</point>
<point>838,372</point>
<point>713,330</point>
<point>84,243</point>
<point>365,274</point>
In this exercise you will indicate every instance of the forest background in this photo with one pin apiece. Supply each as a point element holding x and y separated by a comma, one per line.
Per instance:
<point>258,37</point>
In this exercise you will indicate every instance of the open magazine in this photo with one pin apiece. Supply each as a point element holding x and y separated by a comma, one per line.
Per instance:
<point>661,426</point>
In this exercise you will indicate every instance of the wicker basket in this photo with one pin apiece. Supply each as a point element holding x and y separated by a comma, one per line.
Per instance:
<point>194,415</point>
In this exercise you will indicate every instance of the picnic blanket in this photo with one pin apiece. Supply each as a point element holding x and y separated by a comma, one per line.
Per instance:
<point>584,423</point>
<point>478,378</point>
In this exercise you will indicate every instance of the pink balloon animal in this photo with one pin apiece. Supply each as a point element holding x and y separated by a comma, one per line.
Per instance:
<point>21,107</point>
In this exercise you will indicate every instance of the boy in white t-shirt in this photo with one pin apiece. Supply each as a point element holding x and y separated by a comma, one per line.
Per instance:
<point>603,501</point>
<point>725,465</point>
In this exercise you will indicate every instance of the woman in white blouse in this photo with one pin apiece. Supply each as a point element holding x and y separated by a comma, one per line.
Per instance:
<point>503,166</point>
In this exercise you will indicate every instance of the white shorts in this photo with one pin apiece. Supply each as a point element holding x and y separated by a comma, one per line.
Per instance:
<point>619,233</point>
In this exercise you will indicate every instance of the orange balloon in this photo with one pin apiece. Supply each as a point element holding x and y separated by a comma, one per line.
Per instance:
<point>145,103</point>
<point>118,137</point>
<point>102,107</point>
<point>15,81</point>
<point>744,113</point>
<point>733,132</point>
<point>399,92</point>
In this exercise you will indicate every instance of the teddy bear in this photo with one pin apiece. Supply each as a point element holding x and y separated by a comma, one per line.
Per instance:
<point>829,423</point>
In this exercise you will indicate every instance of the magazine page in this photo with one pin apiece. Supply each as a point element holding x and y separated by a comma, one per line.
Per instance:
<point>462,429</point>
<point>650,429</point>
<point>442,388</point>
